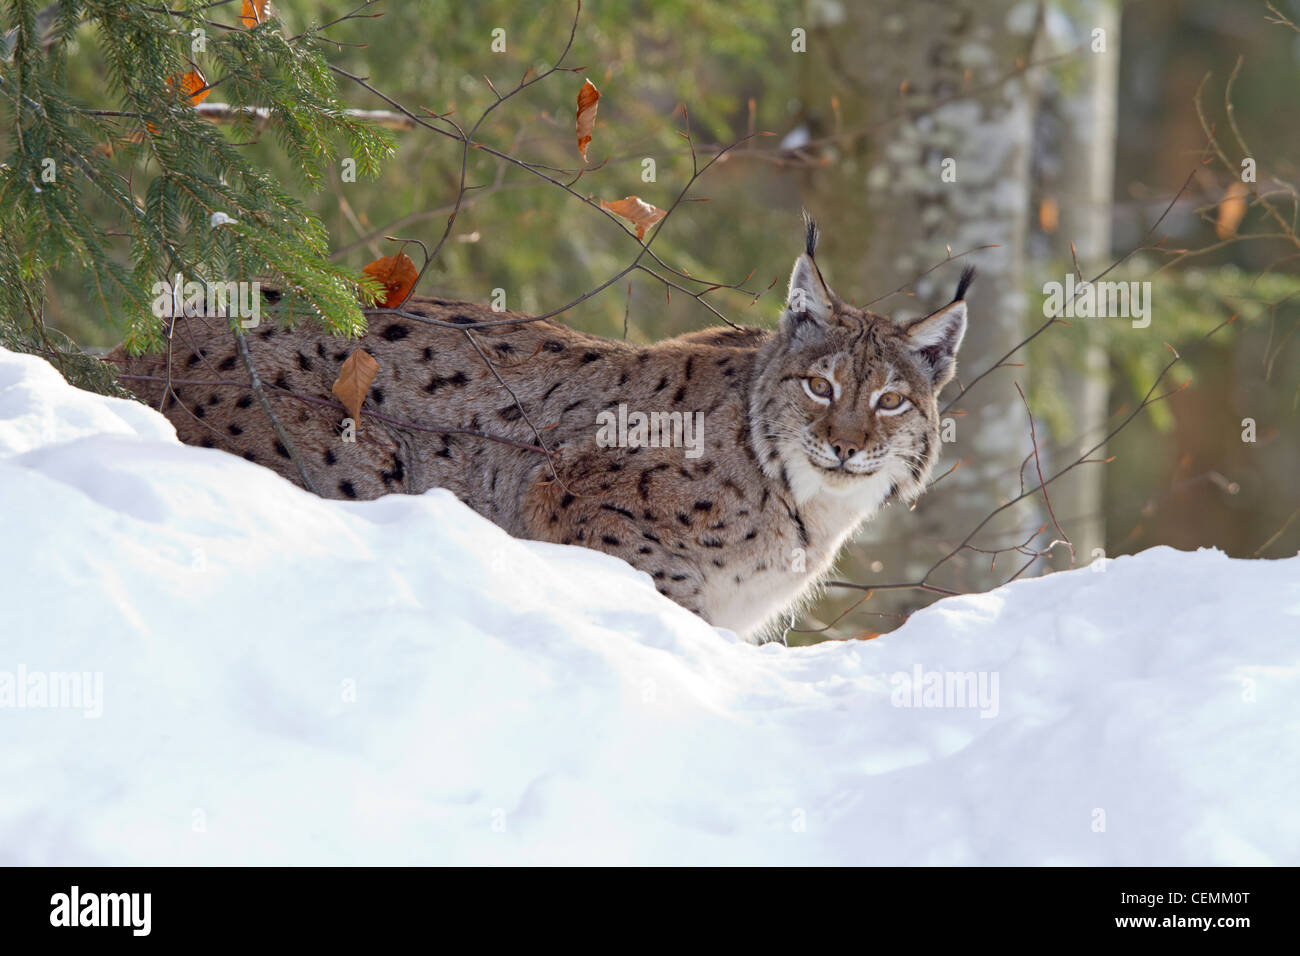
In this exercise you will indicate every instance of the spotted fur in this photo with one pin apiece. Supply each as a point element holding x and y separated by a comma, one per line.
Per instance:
<point>741,534</point>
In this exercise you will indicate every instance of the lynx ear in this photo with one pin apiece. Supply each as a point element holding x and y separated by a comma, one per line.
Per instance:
<point>935,338</point>
<point>808,304</point>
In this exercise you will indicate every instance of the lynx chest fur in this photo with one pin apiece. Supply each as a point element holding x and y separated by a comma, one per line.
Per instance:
<point>731,465</point>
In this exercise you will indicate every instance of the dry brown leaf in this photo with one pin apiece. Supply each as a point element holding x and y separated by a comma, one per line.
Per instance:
<point>588,97</point>
<point>354,380</point>
<point>251,14</point>
<point>1232,209</point>
<point>398,275</point>
<point>193,86</point>
<point>635,210</point>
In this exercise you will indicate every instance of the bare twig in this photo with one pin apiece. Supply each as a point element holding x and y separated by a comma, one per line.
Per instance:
<point>256,384</point>
<point>1151,398</point>
<point>1033,437</point>
<point>518,404</point>
<point>1286,524</point>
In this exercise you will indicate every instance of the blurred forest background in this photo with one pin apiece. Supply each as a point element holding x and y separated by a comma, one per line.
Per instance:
<point>1067,154</point>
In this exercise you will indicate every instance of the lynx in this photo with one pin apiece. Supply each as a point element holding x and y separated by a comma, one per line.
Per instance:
<point>773,446</point>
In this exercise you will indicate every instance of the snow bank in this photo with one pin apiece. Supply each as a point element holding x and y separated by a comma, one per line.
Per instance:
<point>274,678</point>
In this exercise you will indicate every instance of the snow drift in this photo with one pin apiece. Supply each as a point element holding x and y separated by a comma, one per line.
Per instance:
<point>202,664</point>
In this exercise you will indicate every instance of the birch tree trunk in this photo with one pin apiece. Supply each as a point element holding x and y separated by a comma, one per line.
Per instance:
<point>952,173</point>
<point>1086,106</point>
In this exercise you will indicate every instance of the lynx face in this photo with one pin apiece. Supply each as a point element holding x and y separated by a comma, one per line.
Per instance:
<point>848,397</point>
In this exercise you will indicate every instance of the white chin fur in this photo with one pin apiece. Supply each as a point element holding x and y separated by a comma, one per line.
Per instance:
<point>843,488</point>
<point>805,479</point>
<point>859,492</point>
<point>865,493</point>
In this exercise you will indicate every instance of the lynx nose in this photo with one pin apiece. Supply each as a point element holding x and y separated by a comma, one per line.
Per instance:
<point>844,449</point>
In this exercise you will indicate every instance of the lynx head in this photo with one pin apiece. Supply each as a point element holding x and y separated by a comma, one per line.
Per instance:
<point>845,401</point>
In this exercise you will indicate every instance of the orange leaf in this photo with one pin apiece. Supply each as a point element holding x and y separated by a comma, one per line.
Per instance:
<point>637,211</point>
<point>354,379</point>
<point>1049,215</point>
<point>1232,209</point>
<point>398,275</point>
<point>588,96</point>
<point>192,85</point>
<point>254,13</point>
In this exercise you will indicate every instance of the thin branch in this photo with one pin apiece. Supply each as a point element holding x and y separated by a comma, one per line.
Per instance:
<point>229,113</point>
<point>923,584</point>
<point>1033,438</point>
<point>256,384</point>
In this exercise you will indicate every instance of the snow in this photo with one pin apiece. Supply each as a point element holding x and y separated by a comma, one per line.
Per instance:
<point>275,678</point>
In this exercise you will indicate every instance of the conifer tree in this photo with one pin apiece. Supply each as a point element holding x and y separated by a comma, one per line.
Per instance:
<point>184,198</point>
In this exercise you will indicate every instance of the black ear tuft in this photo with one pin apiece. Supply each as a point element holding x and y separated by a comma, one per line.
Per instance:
<point>967,277</point>
<point>811,234</point>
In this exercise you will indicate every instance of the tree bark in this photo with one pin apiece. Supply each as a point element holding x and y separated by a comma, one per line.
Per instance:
<point>946,66</point>
<point>1086,108</point>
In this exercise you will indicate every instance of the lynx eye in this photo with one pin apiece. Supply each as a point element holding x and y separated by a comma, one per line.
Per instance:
<point>890,400</point>
<point>820,387</point>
